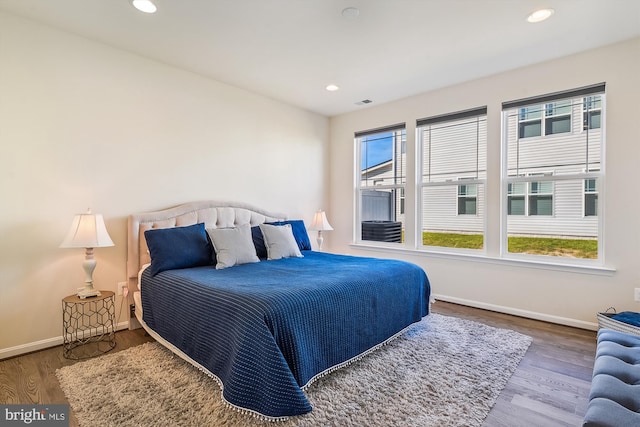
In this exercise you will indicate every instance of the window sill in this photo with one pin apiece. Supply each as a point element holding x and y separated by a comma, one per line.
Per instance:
<point>479,256</point>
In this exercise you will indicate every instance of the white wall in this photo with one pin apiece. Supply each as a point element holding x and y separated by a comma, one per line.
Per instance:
<point>563,296</point>
<point>85,125</point>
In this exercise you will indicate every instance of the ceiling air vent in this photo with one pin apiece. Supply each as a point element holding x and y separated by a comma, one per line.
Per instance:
<point>364,101</point>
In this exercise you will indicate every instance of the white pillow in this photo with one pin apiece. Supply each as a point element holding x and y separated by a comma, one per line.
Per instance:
<point>233,246</point>
<point>279,241</point>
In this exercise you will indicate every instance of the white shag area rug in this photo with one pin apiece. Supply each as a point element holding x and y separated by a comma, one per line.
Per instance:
<point>443,371</point>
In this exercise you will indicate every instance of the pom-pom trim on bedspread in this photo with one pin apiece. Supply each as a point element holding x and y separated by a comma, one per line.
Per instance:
<point>176,351</point>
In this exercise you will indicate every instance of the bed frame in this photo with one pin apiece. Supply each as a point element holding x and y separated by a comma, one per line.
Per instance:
<point>214,214</point>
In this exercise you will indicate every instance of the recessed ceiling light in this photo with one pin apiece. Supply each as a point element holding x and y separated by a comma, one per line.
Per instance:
<point>332,88</point>
<point>145,6</point>
<point>350,12</point>
<point>540,15</point>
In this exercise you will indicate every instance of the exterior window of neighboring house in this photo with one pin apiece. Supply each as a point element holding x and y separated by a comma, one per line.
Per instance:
<point>590,197</point>
<point>534,199</point>
<point>540,198</point>
<point>591,110</point>
<point>553,214</point>
<point>530,122</point>
<point>516,198</point>
<point>467,199</point>
<point>556,119</point>
<point>451,208</point>
<point>380,184</point>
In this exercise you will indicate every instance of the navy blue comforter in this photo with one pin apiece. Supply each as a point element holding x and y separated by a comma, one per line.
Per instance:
<point>266,330</point>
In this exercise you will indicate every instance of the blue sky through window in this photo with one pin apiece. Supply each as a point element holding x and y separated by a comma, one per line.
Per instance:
<point>376,149</point>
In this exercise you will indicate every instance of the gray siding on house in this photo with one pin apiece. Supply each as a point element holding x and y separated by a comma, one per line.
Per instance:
<point>559,154</point>
<point>440,211</point>
<point>452,152</point>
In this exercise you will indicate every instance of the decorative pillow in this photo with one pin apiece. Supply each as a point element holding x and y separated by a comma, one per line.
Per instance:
<point>279,241</point>
<point>258,242</point>
<point>179,247</point>
<point>299,233</point>
<point>233,246</point>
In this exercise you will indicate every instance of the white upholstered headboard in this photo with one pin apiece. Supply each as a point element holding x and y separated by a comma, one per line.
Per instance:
<point>214,214</point>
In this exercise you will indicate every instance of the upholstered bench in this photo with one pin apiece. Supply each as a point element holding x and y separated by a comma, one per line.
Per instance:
<point>614,399</point>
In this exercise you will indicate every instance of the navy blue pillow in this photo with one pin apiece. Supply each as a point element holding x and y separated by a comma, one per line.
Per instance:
<point>299,233</point>
<point>179,247</point>
<point>258,242</point>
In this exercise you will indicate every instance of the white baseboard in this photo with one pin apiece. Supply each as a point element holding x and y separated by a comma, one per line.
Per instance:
<point>42,344</point>
<point>52,342</point>
<point>522,313</point>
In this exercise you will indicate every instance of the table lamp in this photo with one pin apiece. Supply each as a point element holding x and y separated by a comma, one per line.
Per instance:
<point>320,224</point>
<point>87,231</point>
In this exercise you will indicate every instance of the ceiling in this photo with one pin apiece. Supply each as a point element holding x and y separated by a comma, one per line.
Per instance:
<point>289,50</point>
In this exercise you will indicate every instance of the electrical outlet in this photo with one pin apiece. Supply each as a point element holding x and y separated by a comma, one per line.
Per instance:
<point>636,295</point>
<point>121,287</point>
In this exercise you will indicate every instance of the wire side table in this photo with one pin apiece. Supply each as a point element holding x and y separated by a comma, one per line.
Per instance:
<point>88,325</point>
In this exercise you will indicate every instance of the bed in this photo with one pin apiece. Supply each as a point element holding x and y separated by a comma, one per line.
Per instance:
<point>264,329</point>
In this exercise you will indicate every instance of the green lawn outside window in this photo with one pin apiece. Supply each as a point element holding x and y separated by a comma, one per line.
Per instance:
<point>573,248</point>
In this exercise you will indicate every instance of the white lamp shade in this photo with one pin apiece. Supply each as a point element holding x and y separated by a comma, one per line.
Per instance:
<point>320,222</point>
<point>87,231</point>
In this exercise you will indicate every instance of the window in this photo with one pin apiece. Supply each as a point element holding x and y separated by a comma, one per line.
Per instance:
<point>380,184</point>
<point>550,184</point>
<point>451,208</point>
<point>516,198</point>
<point>530,123</point>
<point>540,198</point>
<point>467,199</point>
<point>591,110</point>
<point>590,197</point>
<point>533,199</point>
<point>557,119</point>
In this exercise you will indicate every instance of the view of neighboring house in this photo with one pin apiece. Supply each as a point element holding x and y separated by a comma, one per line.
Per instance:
<point>553,141</point>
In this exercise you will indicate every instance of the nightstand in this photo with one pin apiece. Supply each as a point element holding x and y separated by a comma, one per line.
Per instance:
<point>88,325</point>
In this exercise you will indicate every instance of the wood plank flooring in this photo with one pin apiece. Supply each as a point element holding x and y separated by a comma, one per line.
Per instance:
<point>31,378</point>
<point>551,385</point>
<point>549,388</point>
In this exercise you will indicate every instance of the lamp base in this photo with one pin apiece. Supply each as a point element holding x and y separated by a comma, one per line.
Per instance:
<point>88,292</point>
<point>319,240</point>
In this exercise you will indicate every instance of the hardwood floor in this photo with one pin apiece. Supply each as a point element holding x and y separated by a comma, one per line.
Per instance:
<point>550,387</point>
<point>31,378</point>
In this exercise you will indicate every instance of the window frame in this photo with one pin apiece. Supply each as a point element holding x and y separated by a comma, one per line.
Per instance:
<point>498,250</point>
<point>599,175</point>
<point>480,115</point>
<point>397,188</point>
